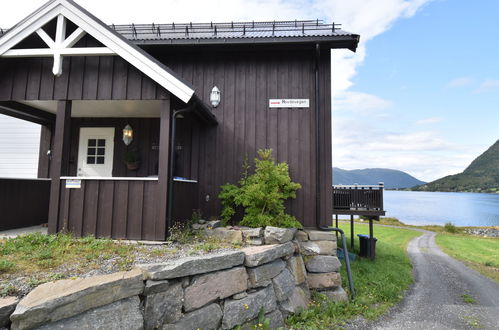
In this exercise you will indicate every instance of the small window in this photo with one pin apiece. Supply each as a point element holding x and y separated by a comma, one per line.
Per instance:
<point>96,151</point>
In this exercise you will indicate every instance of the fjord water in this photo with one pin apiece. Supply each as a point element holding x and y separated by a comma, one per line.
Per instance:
<point>438,208</point>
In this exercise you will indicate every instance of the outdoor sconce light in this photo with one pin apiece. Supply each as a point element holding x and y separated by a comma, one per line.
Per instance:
<point>215,97</point>
<point>127,135</point>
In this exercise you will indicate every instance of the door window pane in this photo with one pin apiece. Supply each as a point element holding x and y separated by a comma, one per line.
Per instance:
<point>96,151</point>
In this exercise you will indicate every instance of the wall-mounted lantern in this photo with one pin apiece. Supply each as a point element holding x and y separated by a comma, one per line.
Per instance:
<point>127,135</point>
<point>215,97</point>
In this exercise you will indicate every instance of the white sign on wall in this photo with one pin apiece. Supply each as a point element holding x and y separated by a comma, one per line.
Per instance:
<point>73,184</point>
<point>289,103</point>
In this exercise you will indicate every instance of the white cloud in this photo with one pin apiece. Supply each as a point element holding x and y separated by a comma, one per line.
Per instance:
<point>489,85</point>
<point>431,120</point>
<point>359,102</point>
<point>459,82</point>
<point>362,144</point>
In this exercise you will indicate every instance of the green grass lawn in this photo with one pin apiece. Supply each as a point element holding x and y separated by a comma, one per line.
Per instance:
<point>479,253</point>
<point>379,284</point>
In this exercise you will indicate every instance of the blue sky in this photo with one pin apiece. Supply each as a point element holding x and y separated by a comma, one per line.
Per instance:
<point>434,78</point>
<point>420,94</point>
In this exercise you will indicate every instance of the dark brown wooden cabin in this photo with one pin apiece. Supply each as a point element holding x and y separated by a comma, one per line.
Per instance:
<point>157,79</point>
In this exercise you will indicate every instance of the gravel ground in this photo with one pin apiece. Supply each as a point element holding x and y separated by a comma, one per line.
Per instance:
<point>437,299</point>
<point>143,254</point>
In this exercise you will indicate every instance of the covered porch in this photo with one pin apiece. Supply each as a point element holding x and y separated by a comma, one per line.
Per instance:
<point>113,168</point>
<point>92,187</point>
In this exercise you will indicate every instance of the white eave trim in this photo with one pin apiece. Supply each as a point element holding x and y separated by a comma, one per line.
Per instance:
<point>96,29</point>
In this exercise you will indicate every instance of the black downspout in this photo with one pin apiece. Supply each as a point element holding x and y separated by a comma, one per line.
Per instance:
<point>318,177</point>
<point>172,162</point>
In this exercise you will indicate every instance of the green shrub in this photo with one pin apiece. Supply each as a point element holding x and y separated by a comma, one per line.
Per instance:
<point>261,195</point>
<point>450,228</point>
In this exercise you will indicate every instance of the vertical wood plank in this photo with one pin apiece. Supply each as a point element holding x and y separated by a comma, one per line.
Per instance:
<point>120,209</point>
<point>105,84</point>
<point>150,211</point>
<point>120,74</point>
<point>61,83</point>
<point>148,89</point>
<point>76,210</point>
<point>91,207</point>
<point>64,207</point>
<point>34,78</point>
<point>20,82</point>
<point>91,78</point>
<point>47,80</point>
<point>134,84</point>
<point>105,209</point>
<point>135,210</point>
<point>6,80</point>
<point>306,149</point>
<point>76,78</point>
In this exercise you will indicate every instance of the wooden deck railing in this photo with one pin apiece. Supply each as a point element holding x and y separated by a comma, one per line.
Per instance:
<point>121,208</point>
<point>358,199</point>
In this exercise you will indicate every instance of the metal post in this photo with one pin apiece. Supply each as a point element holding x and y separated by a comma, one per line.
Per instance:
<point>337,227</point>
<point>352,240</point>
<point>371,239</point>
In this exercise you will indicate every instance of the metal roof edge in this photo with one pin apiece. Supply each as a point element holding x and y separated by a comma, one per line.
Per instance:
<point>352,40</point>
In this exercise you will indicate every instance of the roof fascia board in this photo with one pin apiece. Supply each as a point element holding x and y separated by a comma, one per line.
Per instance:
<point>102,33</point>
<point>353,39</point>
<point>129,53</point>
<point>27,27</point>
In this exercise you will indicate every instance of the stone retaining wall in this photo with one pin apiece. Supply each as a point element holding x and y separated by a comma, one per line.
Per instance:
<point>212,291</point>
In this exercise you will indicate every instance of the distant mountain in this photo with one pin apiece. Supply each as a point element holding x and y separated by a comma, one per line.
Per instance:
<point>482,175</point>
<point>393,179</point>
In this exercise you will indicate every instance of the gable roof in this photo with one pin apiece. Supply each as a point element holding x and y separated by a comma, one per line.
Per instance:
<point>101,32</point>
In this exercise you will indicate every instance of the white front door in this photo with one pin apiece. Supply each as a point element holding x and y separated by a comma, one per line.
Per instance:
<point>95,153</point>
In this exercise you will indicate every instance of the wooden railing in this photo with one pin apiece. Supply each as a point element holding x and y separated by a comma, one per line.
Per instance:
<point>358,199</point>
<point>121,208</point>
<point>23,202</point>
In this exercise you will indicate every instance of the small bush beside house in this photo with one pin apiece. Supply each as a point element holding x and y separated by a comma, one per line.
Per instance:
<point>261,195</point>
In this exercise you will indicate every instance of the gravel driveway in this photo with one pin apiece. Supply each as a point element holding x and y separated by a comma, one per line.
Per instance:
<point>437,299</point>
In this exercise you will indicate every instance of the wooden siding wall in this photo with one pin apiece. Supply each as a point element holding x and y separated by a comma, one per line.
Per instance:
<point>187,156</point>
<point>116,209</point>
<point>185,200</point>
<point>23,202</point>
<point>247,81</point>
<point>145,141</point>
<point>121,209</point>
<point>83,78</point>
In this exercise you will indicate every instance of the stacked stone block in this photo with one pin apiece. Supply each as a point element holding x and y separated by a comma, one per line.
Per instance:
<point>214,291</point>
<point>319,253</point>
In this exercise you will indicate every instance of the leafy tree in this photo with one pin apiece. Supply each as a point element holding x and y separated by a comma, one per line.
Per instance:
<point>262,194</point>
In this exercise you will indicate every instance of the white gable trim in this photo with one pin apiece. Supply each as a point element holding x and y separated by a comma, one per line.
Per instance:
<point>102,33</point>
